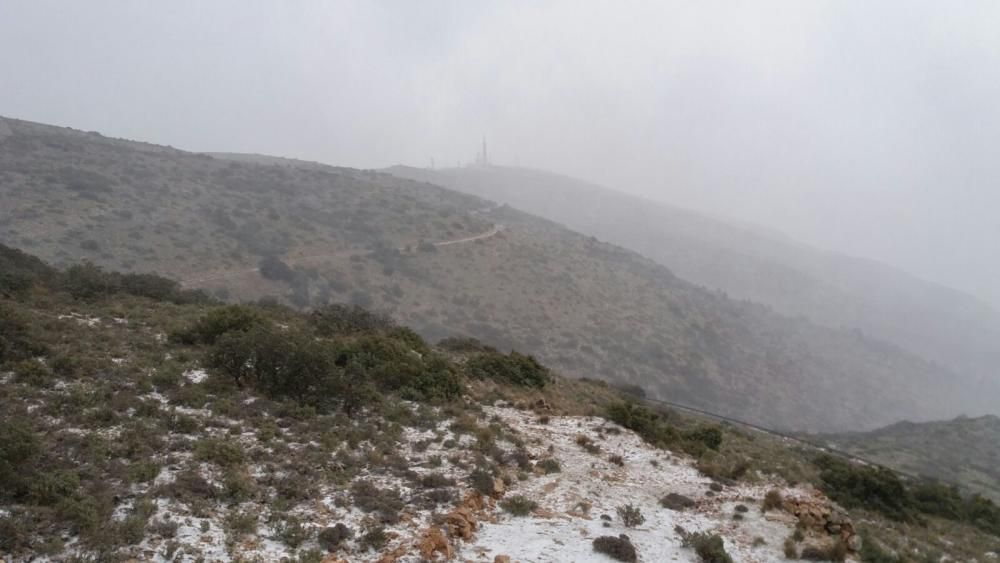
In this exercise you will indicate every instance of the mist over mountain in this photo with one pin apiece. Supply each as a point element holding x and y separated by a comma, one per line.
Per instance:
<point>940,324</point>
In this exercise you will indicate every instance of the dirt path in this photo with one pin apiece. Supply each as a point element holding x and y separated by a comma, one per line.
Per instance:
<point>492,232</point>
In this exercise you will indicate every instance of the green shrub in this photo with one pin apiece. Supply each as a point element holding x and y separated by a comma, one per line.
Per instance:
<point>619,549</point>
<point>331,538</point>
<point>220,321</point>
<point>51,487</point>
<point>220,451</point>
<point>630,515</point>
<point>871,487</point>
<point>549,465</point>
<point>709,436</point>
<point>17,339</point>
<point>482,481</point>
<point>375,538</point>
<point>709,547</point>
<point>518,505</point>
<point>649,425</point>
<point>385,502</point>
<point>836,551</point>
<point>338,319</point>
<point>291,532</point>
<point>512,368</point>
<point>19,449</point>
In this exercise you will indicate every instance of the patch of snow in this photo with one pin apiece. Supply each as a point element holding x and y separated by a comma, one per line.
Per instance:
<point>559,531</point>
<point>82,319</point>
<point>195,375</point>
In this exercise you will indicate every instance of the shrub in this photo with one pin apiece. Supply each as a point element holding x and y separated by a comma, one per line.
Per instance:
<point>482,481</point>
<point>19,448</point>
<point>220,321</point>
<point>709,436</point>
<point>549,465</point>
<point>220,451</point>
<point>709,547</point>
<point>291,532</point>
<point>772,501</point>
<point>512,368</point>
<point>17,339</point>
<point>649,425</point>
<point>675,501</point>
<point>587,444</point>
<point>836,551</point>
<point>872,552</point>
<point>331,538</point>
<point>619,549</point>
<point>273,268</point>
<point>336,319</point>
<point>630,515</point>
<point>871,487</point>
<point>518,505</point>
<point>617,460</point>
<point>375,538</point>
<point>791,551</point>
<point>370,498</point>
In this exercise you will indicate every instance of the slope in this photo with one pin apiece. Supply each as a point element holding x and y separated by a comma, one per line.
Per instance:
<point>308,235</point>
<point>963,450</point>
<point>746,262</point>
<point>137,424</point>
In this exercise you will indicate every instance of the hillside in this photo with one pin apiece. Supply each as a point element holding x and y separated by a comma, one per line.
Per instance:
<point>140,421</point>
<point>964,450</point>
<point>450,264</point>
<point>940,324</point>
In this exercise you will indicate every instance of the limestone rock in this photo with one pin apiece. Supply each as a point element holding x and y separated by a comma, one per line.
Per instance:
<point>434,542</point>
<point>461,523</point>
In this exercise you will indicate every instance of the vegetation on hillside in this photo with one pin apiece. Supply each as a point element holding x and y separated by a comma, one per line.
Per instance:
<point>311,235</point>
<point>963,450</point>
<point>105,393</point>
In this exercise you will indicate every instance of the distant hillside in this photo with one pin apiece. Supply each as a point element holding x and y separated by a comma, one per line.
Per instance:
<point>964,450</point>
<point>450,264</point>
<point>940,324</point>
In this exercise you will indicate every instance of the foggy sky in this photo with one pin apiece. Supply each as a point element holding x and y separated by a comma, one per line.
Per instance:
<point>871,128</point>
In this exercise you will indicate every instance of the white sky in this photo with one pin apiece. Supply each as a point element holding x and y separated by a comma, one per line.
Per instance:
<point>871,128</point>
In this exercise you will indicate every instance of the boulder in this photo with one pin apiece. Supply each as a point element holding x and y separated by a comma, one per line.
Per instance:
<point>461,523</point>
<point>432,543</point>
<point>823,517</point>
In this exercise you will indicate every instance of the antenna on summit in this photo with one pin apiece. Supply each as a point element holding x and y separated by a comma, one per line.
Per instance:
<point>483,158</point>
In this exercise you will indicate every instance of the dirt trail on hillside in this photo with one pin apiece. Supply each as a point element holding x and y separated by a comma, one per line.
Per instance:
<point>200,277</point>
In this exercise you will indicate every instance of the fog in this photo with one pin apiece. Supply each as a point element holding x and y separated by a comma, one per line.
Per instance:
<point>867,128</point>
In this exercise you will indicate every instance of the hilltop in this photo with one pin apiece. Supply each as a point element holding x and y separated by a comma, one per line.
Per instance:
<point>139,420</point>
<point>963,450</point>
<point>449,264</point>
<point>939,324</point>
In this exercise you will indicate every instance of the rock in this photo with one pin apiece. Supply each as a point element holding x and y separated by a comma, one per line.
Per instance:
<point>499,488</point>
<point>432,543</point>
<point>461,523</point>
<point>824,518</point>
<point>393,555</point>
<point>501,559</point>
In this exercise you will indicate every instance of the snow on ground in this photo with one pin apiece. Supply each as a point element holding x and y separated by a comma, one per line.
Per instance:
<point>82,319</point>
<point>195,376</point>
<point>560,532</point>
